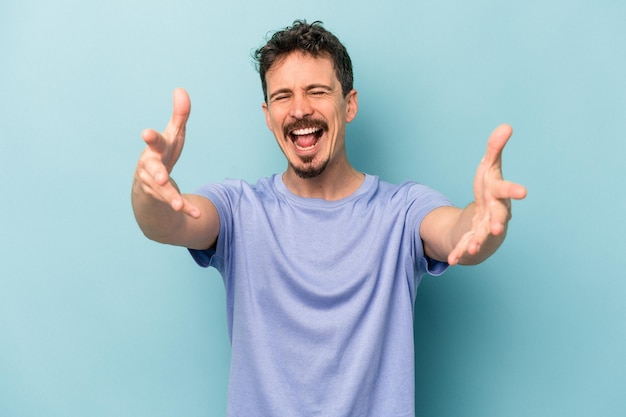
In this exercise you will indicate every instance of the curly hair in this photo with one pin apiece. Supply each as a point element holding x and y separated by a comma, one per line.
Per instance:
<point>311,39</point>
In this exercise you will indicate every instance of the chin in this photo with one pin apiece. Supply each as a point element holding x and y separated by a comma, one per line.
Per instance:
<point>309,171</point>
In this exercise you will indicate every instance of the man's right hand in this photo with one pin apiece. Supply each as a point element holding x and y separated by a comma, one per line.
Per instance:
<point>152,175</point>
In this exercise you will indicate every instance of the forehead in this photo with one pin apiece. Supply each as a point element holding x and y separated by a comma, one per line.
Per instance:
<point>298,67</point>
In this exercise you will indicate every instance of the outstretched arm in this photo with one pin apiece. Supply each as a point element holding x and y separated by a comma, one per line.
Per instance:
<point>161,211</point>
<point>470,235</point>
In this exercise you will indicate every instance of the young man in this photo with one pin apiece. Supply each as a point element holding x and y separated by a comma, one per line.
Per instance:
<point>320,264</point>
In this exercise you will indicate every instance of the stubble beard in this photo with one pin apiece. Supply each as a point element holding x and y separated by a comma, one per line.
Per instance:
<point>309,170</point>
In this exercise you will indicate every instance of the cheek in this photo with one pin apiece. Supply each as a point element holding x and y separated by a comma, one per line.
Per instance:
<point>268,122</point>
<point>273,119</point>
<point>271,122</point>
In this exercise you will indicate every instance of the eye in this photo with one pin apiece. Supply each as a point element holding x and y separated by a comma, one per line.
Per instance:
<point>280,97</point>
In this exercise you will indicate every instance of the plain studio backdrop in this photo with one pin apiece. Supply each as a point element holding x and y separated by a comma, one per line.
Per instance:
<point>96,320</point>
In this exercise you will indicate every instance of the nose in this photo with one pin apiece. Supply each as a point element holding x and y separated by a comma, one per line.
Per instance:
<point>301,106</point>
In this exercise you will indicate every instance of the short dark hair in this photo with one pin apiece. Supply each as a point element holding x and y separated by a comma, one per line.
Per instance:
<point>311,39</point>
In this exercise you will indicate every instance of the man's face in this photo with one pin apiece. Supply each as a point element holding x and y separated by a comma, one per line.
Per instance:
<point>307,112</point>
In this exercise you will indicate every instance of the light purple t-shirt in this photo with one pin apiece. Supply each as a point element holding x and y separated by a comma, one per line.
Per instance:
<point>320,296</point>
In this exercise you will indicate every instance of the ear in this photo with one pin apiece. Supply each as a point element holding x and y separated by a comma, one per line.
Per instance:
<point>266,110</point>
<point>352,105</point>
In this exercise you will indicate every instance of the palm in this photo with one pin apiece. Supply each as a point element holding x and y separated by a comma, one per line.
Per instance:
<point>168,145</point>
<point>162,153</point>
<point>492,197</point>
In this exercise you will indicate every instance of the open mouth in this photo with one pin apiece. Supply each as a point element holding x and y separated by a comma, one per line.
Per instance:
<point>306,139</point>
<point>305,134</point>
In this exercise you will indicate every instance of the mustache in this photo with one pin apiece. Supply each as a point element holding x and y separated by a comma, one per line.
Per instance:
<point>303,124</point>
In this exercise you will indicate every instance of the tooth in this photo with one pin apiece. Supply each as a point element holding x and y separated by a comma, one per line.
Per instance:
<point>305,131</point>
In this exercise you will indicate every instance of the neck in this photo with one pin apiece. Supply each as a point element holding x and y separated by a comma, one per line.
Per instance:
<point>334,183</point>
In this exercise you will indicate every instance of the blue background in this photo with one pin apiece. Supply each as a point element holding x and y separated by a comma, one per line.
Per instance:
<point>95,320</point>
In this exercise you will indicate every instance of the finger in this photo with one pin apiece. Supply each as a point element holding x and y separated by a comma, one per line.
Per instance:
<point>178,202</point>
<point>518,192</point>
<point>181,108</point>
<point>167,193</point>
<point>155,141</point>
<point>190,209</point>
<point>154,168</point>
<point>506,189</point>
<point>472,240</point>
<point>495,145</point>
<point>462,247</point>
<point>499,217</point>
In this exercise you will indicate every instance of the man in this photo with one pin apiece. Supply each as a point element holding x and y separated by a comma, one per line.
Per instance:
<point>321,263</point>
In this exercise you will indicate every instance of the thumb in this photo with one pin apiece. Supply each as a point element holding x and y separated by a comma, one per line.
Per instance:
<point>181,109</point>
<point>495,145</point>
